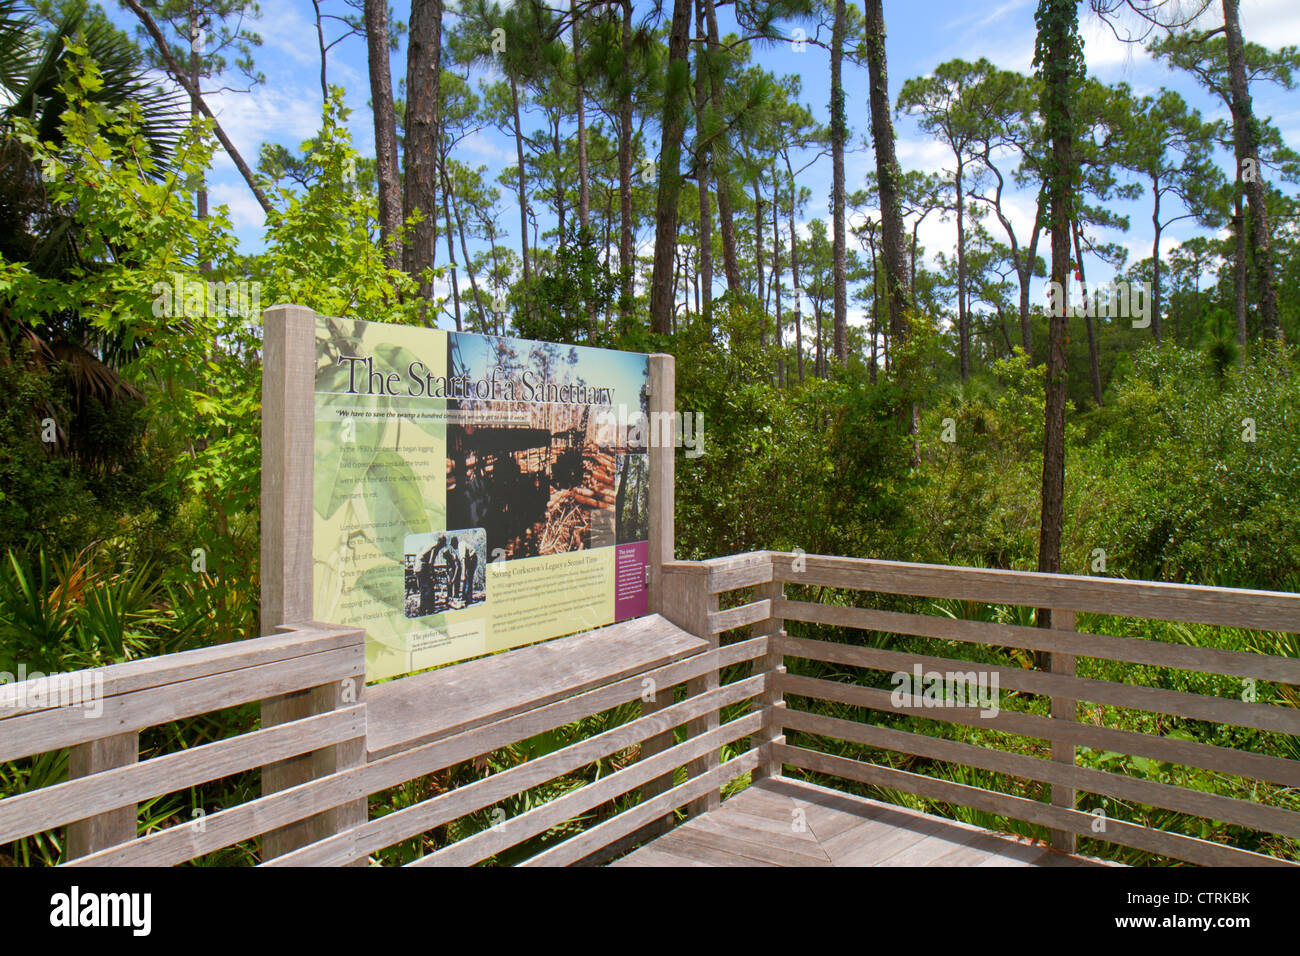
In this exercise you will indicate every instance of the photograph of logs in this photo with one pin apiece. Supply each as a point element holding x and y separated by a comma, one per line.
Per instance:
<point>541,476</point>
<point>534,490</point>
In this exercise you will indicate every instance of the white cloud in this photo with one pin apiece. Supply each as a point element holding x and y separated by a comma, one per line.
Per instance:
<point>922,152</point>
<point>480,144</point>
<point>245,212</point>
<point>268,113</point>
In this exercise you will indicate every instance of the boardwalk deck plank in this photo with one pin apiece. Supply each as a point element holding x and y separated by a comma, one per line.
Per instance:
<point>754,828</point>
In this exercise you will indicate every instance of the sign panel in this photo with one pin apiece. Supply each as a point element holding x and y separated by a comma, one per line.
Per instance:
<point>475,493</point>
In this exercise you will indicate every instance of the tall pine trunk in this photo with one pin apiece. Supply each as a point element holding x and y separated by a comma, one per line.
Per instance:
<point>1245,139</point>
<point>626,251</point>
<point>385,116</point>
<point>718,156</point>
<point>1059,57</point>
<point>963,312</point>
<point>676,84</point>
<point>423,74</point>
<point>839,254</point>
<point>892,242</point>
<point>702,167</point>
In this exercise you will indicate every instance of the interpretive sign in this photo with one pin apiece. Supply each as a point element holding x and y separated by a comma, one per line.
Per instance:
<point>473,493</point>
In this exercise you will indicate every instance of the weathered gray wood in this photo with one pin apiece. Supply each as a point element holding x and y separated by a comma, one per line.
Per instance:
<point>1230,607</point>
<point>740,616</point>
<point>1063,708</point>
<point>508,833</point>
<point>1057,773</point>
<point>730,572</point>
<point>44,730</point>
<point>582,845</point>
<point>689,605</point>
<point>1179,703</point>
<point>235,824</point>
<point>1136,650</point>
<point>409,821</point>
<point>288,462</point>
<point>86,836</point>
<point>733,847</point>
<point>781,848</point>
<point>1189,753</point>
<point>121,783</point>
<point>649,856</point>
<point>1173,845</point>
<point>772,663</point>
<point>661,401</point>
<point>116,680</point>
<point>288,442</point>
<point>705,850</point>
<point>419,709</point>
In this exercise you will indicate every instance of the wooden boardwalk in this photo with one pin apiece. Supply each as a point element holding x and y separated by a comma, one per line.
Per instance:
<point>762,826</point>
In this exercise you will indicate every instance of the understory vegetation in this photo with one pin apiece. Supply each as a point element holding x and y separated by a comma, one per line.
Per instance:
<point>130,438</point>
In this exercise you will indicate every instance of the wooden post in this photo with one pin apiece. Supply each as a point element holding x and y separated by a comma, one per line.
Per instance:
<point>662,402</point>
<point>1063,709</point>
<point>116,826</point>
<point>662,405</point>
<point>288,451</point>
<point>772,664</point>
<point>688,604</point>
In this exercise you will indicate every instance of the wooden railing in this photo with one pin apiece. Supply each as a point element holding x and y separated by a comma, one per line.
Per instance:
<point>107,784</point>
<point>145,693</point>
<point>728,675</point>
<point>1060,731</point>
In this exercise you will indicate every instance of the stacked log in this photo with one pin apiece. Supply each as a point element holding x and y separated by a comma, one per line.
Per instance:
<point>598,477</point>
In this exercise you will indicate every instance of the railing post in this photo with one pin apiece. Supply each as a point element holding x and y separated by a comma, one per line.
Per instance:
<point>288,442</point>
<point>1063,708</point>
<point>689,601</point>
<point>661,401</point>
<point>116,826</point>
<point>772,664</point>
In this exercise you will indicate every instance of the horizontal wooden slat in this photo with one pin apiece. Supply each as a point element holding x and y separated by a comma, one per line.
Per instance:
<point>741,616</point>
<point>511,832</point>
<point>150,672</point>
<point>44,730</point>
<point>1230,607</point>
<point>629,821</point>
<point>402,824</point>
<point>1134,650</point>
<point>234,824</point>
<point>1174,845</point>
<point>1280,719</point>
<point>727,573</point>
<point>1188,753</point>
<point>422,708</point>
<point>1151,793</point>
<point>61,803</point>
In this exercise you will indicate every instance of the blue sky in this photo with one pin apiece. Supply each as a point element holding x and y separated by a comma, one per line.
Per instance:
<point>921,34</point>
